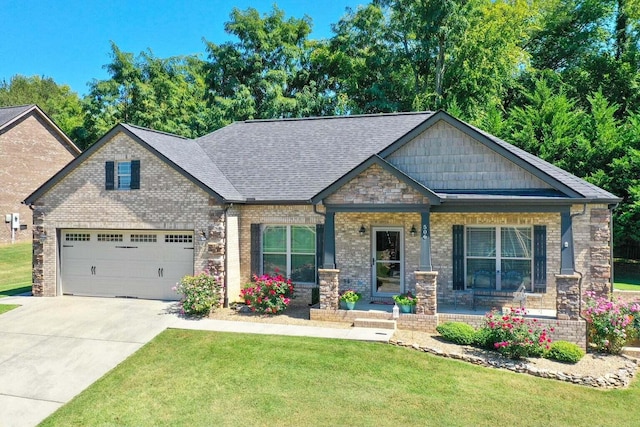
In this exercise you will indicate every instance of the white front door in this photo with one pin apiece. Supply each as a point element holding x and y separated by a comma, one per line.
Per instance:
<point>388,261</point>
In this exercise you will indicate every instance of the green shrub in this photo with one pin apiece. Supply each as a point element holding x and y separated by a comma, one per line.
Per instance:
<point>482,338</point>
<point>457,332</point>
<point>564,351</point>
<point>200,294</point>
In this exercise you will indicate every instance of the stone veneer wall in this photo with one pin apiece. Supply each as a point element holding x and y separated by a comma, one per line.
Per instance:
<point>442,247</point>
<point>32,152</point>
<point>165,201</point>
<point>591,234</point>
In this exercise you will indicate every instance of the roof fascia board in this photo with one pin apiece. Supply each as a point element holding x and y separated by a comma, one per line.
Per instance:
<point>375,159</point>
<point>463,127</point>
<point>532,206</point>
<point>378,207</point>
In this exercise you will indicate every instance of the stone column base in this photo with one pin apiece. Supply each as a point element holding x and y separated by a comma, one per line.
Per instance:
<point>426,292</point>
<point>329,282</point>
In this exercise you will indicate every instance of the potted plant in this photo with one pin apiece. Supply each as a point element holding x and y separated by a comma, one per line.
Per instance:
<point>350,298</point>
<point>405,301</point>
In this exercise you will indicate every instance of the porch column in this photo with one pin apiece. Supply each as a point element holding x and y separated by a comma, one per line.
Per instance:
<point>329,259</point>
<point>568,296</point>
<point>426,292</point>
<point>425,243</point>
<point>567,266</point>
<point>329,282</point>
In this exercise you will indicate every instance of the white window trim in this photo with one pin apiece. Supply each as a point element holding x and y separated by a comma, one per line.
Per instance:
<point>118,175</point>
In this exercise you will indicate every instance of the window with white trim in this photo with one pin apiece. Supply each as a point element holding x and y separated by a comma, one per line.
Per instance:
<point>291,251</point>
<point>124,175</point>
<point>499,258</point>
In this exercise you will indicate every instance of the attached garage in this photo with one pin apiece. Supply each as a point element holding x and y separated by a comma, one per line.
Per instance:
<point>125,263</point>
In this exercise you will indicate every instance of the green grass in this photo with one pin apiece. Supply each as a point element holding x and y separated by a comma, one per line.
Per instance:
<point>7,307</point>
<point>15,268</point>
<point>199,378</point>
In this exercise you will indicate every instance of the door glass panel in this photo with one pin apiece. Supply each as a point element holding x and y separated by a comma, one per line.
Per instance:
<point>388,265</point>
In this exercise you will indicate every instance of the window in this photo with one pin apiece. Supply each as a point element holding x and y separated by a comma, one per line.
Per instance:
<point>109,237</point>
<point>144,238</point>
<point>178,238</point>
<point>77,237</point>
<point>122,175</point>
<point>291,250</point>
<point>499,257</point>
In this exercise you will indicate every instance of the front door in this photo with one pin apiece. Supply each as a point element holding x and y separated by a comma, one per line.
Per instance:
<point>387,261</point>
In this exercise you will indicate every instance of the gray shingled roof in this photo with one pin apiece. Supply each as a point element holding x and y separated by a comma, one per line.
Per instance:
<point>189,156</point>
<point>8,114</point>
<point>294,159</point>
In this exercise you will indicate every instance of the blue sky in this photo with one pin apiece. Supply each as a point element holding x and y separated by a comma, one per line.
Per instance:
<point>69,40</point>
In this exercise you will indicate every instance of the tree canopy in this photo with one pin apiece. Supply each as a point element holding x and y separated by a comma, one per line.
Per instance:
<point>558,78</point>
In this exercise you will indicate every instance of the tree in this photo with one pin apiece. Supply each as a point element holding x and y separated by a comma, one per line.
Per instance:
<point>57,101</point>
<point>266,73</point>
<point>163,94</point>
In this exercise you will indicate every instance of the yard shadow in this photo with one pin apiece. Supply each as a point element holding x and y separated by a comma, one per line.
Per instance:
<point>16,291</point>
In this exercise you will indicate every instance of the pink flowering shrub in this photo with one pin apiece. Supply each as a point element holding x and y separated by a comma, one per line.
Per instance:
<point>611,323</point>
<point>268,294</point>
<point>201,293</point>
<point>514,336</point>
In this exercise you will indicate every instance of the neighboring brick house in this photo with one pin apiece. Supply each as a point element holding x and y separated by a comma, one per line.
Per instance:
<point>32,150</point>
<point>382,203</point>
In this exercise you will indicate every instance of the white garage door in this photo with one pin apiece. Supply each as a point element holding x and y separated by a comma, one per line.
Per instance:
<point>124,263</point>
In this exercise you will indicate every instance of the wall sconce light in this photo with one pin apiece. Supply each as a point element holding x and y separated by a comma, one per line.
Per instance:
<point>203,236</point>
<point>43,237</point>
<point>413,231</point>
<point>362,230</point>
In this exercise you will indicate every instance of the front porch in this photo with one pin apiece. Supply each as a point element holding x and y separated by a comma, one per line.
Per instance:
<point>565,318</point>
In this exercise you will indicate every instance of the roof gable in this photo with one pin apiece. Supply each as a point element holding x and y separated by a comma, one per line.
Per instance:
<point>375,181</point>
<point>10,116</point>
<point>162,145</point>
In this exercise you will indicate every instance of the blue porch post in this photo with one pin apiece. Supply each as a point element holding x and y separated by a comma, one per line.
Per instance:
<point>567,265</point>
<point>425,242</point>
<point>329,259</point>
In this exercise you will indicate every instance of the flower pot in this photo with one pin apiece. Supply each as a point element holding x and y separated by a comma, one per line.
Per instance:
<point>405,308</point>
<point>350,305</point>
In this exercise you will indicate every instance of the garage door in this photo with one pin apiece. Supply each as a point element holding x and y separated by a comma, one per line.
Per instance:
<point>119,263</point>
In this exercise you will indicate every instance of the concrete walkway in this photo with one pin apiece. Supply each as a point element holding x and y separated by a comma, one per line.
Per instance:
<point>53,348</point>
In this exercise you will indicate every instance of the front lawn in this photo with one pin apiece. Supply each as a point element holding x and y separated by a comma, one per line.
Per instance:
<point>15,268</point>
<point>200,378</point>
<point>7,307</point>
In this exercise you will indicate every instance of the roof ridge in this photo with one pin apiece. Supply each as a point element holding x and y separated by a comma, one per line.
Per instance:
<point>346,116</point>
<point>17,106</point>
<point>155,131</point>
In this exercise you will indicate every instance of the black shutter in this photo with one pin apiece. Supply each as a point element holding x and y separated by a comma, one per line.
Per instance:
<point>458,257</point>
<point>256,250</point>
<point>135,174</point>
<point>539,255</point>
<point>319,248</point>
<point>109,172</point>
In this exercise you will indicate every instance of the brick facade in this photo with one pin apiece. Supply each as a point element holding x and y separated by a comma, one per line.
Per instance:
<point>166,200</point>
<point>31,152</point>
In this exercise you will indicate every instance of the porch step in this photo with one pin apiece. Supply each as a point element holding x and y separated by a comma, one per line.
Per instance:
<point>374,323</point>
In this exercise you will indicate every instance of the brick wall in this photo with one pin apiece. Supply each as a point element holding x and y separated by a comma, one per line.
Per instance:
<point>31,152</point>
<point>165,201</point>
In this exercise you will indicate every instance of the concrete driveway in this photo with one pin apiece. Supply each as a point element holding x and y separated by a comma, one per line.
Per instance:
<point>53,348</point>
